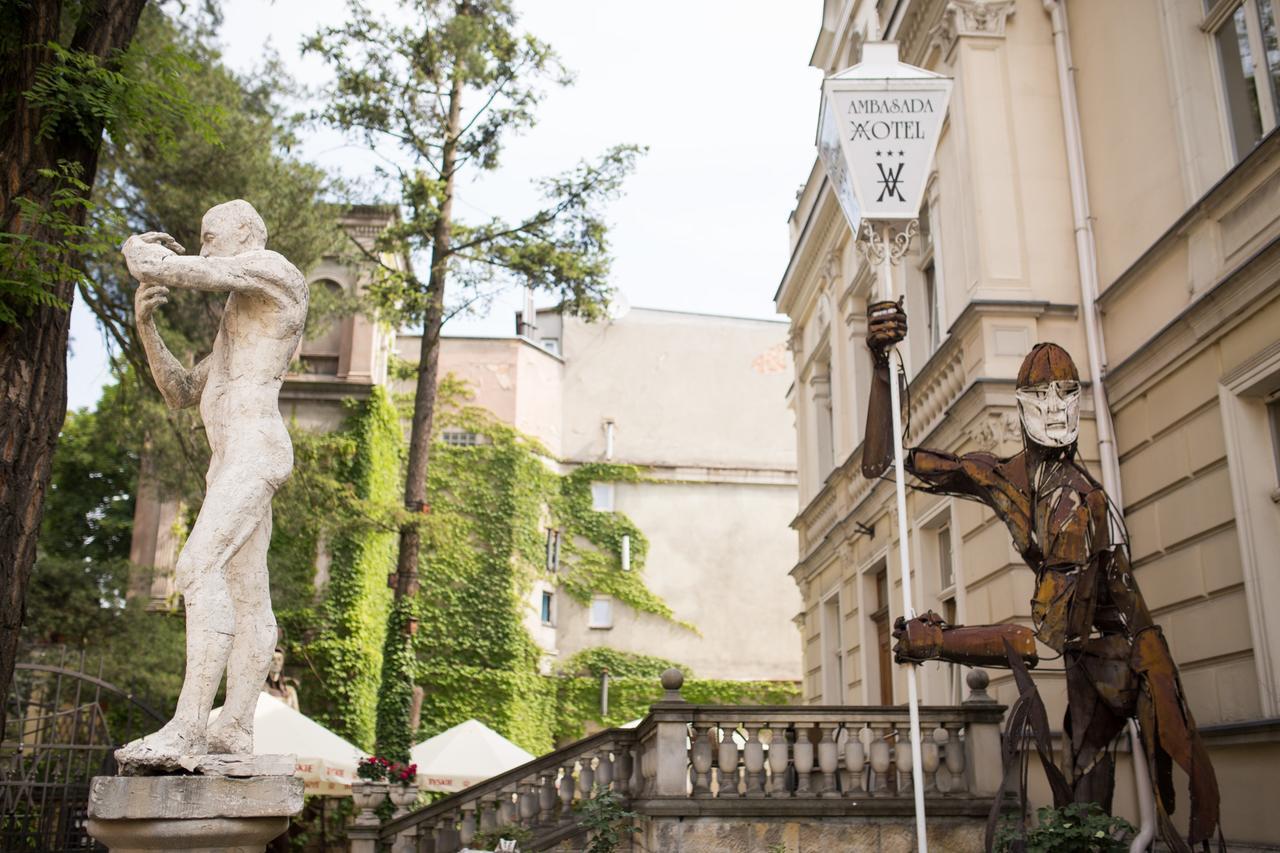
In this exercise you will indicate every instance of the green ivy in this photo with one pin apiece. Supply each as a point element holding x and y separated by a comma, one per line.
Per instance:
<point>594,662</point>
<point>578,699</point>
<point>356,490</point>
<point>1074,828</point>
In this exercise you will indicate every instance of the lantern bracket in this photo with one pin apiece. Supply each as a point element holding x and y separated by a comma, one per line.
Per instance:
<point>878,241</point>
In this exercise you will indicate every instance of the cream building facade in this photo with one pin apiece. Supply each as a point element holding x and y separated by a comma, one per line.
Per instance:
<point>697,403</point>
<point>1129,147</point>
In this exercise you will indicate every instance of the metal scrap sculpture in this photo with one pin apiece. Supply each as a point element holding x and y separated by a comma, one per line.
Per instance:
<point>1087,606</point>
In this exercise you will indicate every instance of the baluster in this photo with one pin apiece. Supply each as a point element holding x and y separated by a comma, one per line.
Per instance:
<point>803,752</point>
<point>489,812</point>
<point>547,798</point>
<point>753,761</point>
<point>622,770</point>
<point>467,829</point>
<point>700,759</point>
<point>828,760</point>
<point>527,802</point>
<point>855,758</point>
<point>510,806</point>
<point>604,769</point>
<point>879,763</point>
<point>446,835</point>
<point>777,761</point>
<point>727,763</point>
<point>955,761</point>
<point>930,758</point>
<point>646,768</point>
<point>586,778</point>
<point>902,760</point>
<point>566,794</point>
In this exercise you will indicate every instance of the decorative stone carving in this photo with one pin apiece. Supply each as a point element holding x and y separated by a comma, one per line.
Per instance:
<point>970,18</point>
<point>996,429</point>
<point>222,570</point>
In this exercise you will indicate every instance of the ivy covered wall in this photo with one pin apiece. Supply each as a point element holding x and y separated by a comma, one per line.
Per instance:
<point>342,498</point>
<point>484,538</point>
<point>484,547</point>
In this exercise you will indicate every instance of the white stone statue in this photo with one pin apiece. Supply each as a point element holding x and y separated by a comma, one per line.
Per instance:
<point>222,571</point>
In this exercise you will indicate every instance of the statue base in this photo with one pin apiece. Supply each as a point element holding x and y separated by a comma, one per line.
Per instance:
<point>201,814</point>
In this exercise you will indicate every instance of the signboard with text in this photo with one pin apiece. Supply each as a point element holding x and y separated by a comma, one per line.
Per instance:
<point>878,131</point>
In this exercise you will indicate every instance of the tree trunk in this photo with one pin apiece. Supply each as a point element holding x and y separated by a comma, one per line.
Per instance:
<point>33,369</point>
<point>424,401</point>
<point>395,699</point>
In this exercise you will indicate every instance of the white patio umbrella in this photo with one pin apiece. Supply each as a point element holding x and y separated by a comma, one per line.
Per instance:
<point>326,762</point>
<point>459,757</point>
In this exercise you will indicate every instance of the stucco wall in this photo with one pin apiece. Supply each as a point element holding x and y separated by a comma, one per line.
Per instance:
<point>718,557</point>
<point>681,389</point>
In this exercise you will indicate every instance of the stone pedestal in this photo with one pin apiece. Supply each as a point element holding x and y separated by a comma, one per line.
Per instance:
<point>202,814</point>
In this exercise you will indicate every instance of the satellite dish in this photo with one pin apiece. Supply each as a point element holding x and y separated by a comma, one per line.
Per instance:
<point>619,305</point>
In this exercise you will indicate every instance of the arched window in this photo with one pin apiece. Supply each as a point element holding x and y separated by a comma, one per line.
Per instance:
<point>323,343</point>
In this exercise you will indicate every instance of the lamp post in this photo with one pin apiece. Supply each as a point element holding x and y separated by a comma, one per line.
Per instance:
<point>877,134</point>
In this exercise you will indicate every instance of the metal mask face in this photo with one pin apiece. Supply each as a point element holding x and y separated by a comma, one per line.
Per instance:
<point>1050,412</point>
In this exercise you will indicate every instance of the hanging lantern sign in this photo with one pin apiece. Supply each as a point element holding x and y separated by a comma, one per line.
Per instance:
<point>878,132</point>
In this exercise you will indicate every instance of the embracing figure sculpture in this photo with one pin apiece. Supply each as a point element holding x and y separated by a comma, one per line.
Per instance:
<point>222,570</point>
<point>1086,607</point>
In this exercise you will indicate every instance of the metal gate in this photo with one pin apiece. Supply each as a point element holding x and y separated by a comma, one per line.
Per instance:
<point>62,725</point>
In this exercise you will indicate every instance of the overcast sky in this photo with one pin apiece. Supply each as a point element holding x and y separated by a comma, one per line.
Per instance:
<point>719,90</point>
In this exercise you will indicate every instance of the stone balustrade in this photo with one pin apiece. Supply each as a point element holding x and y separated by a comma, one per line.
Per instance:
<point>727,763</point>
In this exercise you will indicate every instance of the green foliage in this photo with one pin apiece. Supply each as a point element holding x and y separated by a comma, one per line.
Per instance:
<point>408,85</point>
<point>395,696</point>
<point>159,184</point>
<point>79,583</point>
<point>578,699</point>
<point>45,251</point>
<point>138,93</point>
<point>598,568</point>
<point>488,839</point>
<point>594,662</point>
<point>1076,828</point>
<point>346,652</point>
<point>607,821</point>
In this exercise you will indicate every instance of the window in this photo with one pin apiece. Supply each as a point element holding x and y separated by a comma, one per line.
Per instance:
<point>832,652</point>
<point>1244,32</point>
<point>551,345</point>
<point>946,571</point>
<point>824,419</point>
<point>934,314</point>
<point>459,438</point>
<point>1273,415</point>
<point>553,549</point>
<point>601,614</point>
<point>602,497</point>
<point>548,607</point>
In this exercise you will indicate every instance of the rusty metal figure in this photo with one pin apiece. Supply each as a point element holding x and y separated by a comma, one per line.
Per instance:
<point>1087,606</point>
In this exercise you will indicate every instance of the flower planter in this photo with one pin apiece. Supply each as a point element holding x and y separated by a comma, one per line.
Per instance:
<point>404,797</point>
<point>368,796</point>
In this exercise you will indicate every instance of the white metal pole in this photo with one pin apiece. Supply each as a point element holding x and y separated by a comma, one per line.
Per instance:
<point>904,556</point>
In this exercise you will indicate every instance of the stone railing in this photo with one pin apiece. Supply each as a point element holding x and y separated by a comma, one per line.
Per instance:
<point>816,759</point>
<point>537,797</point>
<point>731,762</point>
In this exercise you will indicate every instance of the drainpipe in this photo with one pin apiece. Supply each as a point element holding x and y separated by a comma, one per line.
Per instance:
<point>1086,249</point>
<point>1087,262</point>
